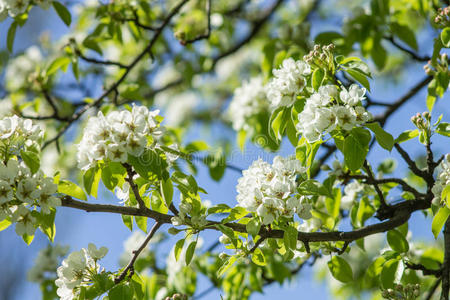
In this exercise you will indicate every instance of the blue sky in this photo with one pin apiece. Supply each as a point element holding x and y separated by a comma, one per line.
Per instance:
<point>77,229</point>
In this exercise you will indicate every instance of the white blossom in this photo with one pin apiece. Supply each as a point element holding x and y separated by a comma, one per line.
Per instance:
<point>77,269</point>
<point>442,179</point>
<point>16,7</point>
<point>248,101</point>
<point>269,190</point>
<point>353,95</point>
<point>114,136</point>
<point>288,81</point>
<point>46,263</point>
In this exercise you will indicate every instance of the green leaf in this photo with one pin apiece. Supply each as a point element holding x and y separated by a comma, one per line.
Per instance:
<point>190,252</point>
<point>384,138</point>
<point>241,138</point>
<point>11,35</point>
<point>166,191</point>
<point>445,37</point>
<point>216,164</point>
<point>397,241</point>
<point>405,34</point>
<point>62,12</point>
<point>391,273</point>
<point>28,238</point>
<point>317,78</point>
<point>47,224</point>
<point>141,222</point>
<point>290,238</point>
<point>360,77</point>
<point>149,165</point>
<point>253,227</point>
<point>31,159</point>
<point>91,179</point>
<point>121,291</point>
<point>439,220</point>
<point>178,248</point>
<point>128,221</point>
<point>71,189</point>
<point>157,203</point>
<point>278,121</point>
<point>379,55</point>
<point>5,224</point>
<point>113,175</point>
<point>59,63</point>
<point>406,136</point>
<point>340,269</point>
<point>258,257</point>
<point>356,147</point>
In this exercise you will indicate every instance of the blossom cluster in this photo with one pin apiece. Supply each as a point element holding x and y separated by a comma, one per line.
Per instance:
<point>14,8</point>
<point>442,180</point>
<point>78,269</point>
<point>327,109</point>
<point>17,134</point>
<point>248,101</point>
<point>269,190</point>
<point>21,190</point>
<point>119,133</point>
<point>288,82</point>
<point>46,263</point>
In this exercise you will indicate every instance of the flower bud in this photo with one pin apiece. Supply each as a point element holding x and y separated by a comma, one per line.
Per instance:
<point>224,239</point>
<point>176,221</point>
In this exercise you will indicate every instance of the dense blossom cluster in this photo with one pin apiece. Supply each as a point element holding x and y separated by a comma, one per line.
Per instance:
<point>119,133</point>
<point>288,82</point>
<point>269,190</point>
<point>328,109</point>
<point>20,189</point>
<point>442,180</point>
<point>78,269</point>
<point>21,68</point>
<point>197,221</point>
<point>46,263</point>
<point>14,8</point>
<point>248,101</point>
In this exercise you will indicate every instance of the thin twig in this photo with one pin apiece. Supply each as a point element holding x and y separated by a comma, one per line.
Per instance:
<point>412,165</point>
<point>130,266</point>
<point>208,27</point>
<point>133,185</point>
<point>131,66</point>
<point>411,53</point>
<point>425,270</point>
<point>99,61</point>
<point>372,181</point>
<point>433,289</point>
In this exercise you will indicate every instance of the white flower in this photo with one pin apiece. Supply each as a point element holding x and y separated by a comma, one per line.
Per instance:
<point>267,189</point>
<point>16,7</point>
<point>27,190</point>
<point>46,198</point>
<point>123,193</point>
<point>442,180</point>
<point>353,95</point>
<point>6,192</point>
<point>8,126</point>
<point>46,263</point>
<point>118,134</point>
<point>345,118</point>
<point>25,221</point>
<point>95,253</point>
<point>248,101</point>
<point>289,80</point>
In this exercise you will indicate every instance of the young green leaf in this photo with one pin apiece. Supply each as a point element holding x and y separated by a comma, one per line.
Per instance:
<point>397,242</point>
<point>439,220</point>
<point>356,147</point>
<point>406,136</point>
<point>91,179</point>
<point>253,227</point>
<point>190,252</point>
<point>178,248</point>
<point>31,159</point>
<point>62,12</point>
<point>340,269</point>
<point>166,191</point>
<point>258,257</point>
<point>384,138</point>
<point>317,78</point>
<point>11,35</point>
<point>445,37</point>
<point>71,189</point>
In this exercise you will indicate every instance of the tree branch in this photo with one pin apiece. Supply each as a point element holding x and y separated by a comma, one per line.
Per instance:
<point>98,101</point>
<point>411,53</point>
<point>208,27</point>
<point>130,266</point>
<point>446,264</point>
